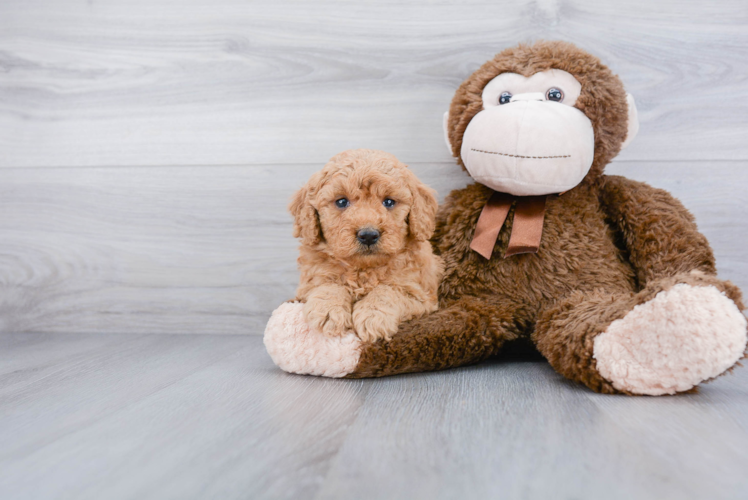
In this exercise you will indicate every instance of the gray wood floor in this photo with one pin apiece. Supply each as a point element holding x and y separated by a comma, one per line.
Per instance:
<point>209,416</point>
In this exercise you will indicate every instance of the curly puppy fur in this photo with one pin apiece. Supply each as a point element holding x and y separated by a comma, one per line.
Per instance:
<point>346,284</point>
<point>608,245</point>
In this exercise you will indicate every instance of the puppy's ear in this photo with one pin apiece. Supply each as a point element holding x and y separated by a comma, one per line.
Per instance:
<point>422,216</point>
<point>306,219</point>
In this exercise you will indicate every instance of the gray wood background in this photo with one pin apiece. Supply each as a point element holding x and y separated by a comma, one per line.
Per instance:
<point>148,147</point>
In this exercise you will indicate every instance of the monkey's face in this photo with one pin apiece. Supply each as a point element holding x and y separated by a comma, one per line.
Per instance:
<point>529,139</point>
<point>539,119</point>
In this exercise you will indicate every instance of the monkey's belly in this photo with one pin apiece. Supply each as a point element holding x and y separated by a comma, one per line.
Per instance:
<point>577,252</point>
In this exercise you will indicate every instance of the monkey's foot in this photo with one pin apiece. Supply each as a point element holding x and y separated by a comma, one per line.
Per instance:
<point>683,336</point>
<point>296,348</point>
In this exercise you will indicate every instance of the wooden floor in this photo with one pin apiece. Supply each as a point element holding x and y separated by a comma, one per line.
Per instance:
<point>209,416</point>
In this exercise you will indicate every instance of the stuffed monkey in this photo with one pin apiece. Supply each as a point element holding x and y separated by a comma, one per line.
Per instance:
<point>609,278</point>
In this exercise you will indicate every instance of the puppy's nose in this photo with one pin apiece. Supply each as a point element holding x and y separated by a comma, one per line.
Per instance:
<point>367,236</point>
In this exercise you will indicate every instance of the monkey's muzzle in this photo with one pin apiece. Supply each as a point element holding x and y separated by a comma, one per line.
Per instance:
<point>529,147</point>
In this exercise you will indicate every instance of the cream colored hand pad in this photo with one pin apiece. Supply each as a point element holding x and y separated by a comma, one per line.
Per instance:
<point>682,337</point>
<point>296,348</point>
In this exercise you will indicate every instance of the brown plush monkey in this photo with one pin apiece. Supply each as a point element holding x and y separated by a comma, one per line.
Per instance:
<point>609,278</point>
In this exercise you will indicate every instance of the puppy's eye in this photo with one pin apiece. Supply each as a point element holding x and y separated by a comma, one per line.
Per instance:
<point>388,202</point>
<point>505,97</point>
<point>342,202</point>
<point>555,94</point>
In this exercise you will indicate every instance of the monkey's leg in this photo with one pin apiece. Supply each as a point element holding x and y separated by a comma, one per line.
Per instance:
<point>466,331</point>
<point>668,338</point>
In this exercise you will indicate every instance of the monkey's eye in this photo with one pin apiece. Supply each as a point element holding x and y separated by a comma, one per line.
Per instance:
<point>342,202</point>
<point>388,203</point>
<point>555,94</point>
<point>505,97</point>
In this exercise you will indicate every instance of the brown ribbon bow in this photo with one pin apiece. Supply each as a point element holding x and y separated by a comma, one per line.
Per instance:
<point>527,228</point>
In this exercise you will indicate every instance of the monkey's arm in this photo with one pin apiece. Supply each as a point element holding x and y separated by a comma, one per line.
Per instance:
<point>467,331</point>
<point>656,230</point>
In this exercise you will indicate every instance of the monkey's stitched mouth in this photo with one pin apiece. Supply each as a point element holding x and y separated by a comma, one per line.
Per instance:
<point>518,156</point>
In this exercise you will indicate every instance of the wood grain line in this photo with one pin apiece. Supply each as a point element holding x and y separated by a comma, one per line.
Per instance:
<point>210,249</point>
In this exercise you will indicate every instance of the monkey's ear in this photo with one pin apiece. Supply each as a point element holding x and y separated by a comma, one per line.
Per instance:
<point>445,125</point>
<point>306,219</point>
<point>422,216</point>
<point>633,123</point>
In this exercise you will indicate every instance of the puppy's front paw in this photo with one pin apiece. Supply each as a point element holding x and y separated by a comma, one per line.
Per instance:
<point>331,319</point>
<point>372,324</point>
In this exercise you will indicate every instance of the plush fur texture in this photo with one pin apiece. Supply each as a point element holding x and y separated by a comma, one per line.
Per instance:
<point>609,247</point>
<point>346,284</point>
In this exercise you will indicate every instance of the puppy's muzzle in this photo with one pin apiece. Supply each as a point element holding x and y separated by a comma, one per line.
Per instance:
<point>368,236</point>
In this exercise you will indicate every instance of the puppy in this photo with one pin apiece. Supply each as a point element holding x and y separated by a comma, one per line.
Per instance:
<point>366,263</point>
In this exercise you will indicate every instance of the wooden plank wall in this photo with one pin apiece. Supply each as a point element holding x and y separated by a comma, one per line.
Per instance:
<point>148,148</point>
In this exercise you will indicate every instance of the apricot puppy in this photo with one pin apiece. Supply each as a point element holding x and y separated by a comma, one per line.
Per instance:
<point>366,263</point>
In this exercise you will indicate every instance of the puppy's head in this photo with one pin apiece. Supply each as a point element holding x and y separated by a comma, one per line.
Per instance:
<point>363,204</point>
